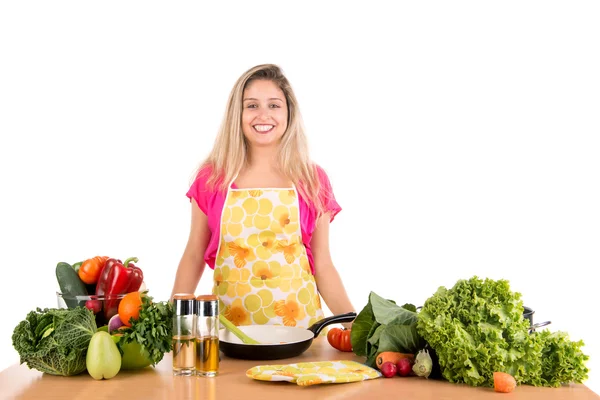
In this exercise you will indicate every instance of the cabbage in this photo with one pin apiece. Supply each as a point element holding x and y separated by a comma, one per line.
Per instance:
<point>477,328</point>
<point>382,326</point>
<point>55,341</point>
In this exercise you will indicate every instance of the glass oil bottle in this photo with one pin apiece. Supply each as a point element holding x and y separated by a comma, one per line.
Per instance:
<point>184,334</point>
<point>207,335</point>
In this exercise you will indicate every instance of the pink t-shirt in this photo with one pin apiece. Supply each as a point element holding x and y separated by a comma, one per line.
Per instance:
<point>211,203</point>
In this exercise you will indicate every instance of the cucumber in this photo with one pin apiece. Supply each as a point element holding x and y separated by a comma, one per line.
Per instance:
<point>70,284</point>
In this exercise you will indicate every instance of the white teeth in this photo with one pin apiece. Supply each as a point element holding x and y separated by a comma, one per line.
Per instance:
<point>263,128</point>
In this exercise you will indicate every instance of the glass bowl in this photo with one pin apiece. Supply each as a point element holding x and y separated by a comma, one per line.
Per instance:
<point>104,307</point>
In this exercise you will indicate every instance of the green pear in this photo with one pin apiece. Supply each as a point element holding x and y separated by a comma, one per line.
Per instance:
<point>103,360</point>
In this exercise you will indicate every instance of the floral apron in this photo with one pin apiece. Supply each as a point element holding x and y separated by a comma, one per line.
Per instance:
<point>262,274</point>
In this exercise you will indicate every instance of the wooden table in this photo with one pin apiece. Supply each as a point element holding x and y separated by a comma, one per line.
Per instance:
<point>19,382</point>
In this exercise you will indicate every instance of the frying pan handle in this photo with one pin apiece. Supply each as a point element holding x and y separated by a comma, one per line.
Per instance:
<point>318,326</point>
<point>539,325</point>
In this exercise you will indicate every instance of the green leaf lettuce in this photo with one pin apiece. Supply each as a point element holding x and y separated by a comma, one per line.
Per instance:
<point>477,327</point>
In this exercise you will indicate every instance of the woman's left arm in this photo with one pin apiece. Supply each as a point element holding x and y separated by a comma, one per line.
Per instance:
<point>329,282</point>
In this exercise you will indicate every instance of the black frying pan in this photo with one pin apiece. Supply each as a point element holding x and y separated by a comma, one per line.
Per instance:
<point>277,342</point>
<point>528,314</point>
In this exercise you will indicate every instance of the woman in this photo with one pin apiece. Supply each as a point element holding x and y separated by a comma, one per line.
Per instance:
<point>261,212</point>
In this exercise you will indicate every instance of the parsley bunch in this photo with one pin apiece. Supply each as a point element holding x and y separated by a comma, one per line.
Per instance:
<point>153,330</point>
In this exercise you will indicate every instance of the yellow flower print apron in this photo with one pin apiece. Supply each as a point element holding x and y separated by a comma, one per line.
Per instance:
<point>262,274</point>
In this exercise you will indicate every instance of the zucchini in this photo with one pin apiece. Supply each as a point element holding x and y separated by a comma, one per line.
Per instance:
<point>70,284</point>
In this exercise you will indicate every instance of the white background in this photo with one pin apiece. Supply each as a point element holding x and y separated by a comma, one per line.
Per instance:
<point>461,139</point>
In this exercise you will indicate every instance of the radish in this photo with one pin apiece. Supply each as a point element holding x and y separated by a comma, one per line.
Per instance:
<point>114,323</point>
<point>388,369</point>
<point>94,305</point>
<point>404,367</point>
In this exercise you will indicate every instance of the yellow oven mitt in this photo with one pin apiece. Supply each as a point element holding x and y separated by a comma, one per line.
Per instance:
<point>313,373</point>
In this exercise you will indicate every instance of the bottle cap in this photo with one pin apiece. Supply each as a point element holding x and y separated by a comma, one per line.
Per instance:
<point>184,304</point>
<point>207,297</point>
<point>207,305</point>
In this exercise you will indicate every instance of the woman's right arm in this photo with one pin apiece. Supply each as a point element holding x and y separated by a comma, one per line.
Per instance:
<point>191,265</point>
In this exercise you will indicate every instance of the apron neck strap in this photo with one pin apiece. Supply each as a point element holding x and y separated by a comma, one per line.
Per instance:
<point>232,181</point>
<point>236,175</point>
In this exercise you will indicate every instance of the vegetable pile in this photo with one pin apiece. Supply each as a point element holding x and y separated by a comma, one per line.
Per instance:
<point>118,327</point>
<point>55,341</point>
<point>67,341</point>
<point>473,333</point>
<point>152,330</point>
<point>138,344</point>
<point>99,277</point>
<point>477,328</point>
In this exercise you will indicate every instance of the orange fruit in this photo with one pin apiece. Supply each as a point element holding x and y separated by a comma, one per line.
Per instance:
<point>129,307</point>
<point>503,382</point>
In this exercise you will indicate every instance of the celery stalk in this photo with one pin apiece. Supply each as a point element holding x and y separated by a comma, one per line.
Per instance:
<point>236,331</point>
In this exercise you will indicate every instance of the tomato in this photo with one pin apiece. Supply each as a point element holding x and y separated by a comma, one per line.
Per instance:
<point>340,339</point>
<point>90,269</point>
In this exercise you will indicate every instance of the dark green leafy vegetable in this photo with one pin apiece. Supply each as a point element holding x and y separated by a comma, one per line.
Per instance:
<point>152,330</point>
<point>477,328</point>
<point>55,341</point>
<point>363,328</point>
<point>381,326</point>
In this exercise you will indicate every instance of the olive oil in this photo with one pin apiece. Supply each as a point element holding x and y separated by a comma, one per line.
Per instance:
<point>184,355</point>
<point>184,333</point>
<point>207,356</point>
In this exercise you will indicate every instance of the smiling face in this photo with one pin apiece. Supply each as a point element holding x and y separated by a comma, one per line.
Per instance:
<point>265,113</point>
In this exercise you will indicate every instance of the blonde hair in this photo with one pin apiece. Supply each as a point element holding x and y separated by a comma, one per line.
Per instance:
<point>230,151</point>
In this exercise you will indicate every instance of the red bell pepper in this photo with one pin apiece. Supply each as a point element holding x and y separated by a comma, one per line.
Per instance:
<point>118,278</point>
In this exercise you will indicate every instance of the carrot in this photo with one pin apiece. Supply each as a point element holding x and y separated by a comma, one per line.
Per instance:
<point>503,382</point>
<point>392,356</point>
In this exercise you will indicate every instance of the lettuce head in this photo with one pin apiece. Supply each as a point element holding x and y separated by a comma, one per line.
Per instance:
<point>477,327</point>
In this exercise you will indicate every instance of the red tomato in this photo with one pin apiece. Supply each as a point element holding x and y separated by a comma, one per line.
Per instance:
<point>340,339</point>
